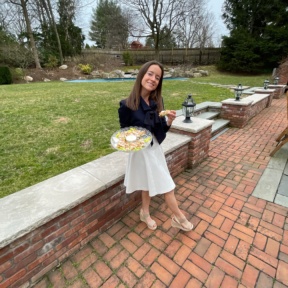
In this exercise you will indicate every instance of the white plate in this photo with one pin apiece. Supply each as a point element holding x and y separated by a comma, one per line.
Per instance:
<point>131,139</point>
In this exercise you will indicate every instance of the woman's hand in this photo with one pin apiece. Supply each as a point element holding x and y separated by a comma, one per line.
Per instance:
<point>171,117</point>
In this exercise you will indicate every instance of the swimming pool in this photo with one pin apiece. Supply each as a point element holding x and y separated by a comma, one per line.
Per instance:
<point>118,79</point>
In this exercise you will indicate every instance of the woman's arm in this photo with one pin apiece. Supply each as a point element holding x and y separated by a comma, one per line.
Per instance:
<point>124,115</point>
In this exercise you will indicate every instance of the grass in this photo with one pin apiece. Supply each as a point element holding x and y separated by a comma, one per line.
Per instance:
<point>49,128</point>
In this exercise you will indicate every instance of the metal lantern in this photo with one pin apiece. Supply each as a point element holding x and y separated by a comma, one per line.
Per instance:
<point>276,80</point>
<point>266,83</point>
<point>238,92</point>
<point>188,108</point>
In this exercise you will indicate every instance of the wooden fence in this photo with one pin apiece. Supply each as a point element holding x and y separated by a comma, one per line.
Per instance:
<point>193,56</point>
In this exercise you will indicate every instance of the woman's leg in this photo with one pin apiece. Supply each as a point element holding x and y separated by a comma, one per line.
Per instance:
<point>144,212</point>
<point>173,205</point>
<point>145,202</point>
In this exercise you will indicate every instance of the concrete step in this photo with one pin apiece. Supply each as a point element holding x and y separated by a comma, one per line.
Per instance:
<point>219,125</point>
<point>208,115</point>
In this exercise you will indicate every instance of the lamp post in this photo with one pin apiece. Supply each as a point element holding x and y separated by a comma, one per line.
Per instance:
<point>188,108</point>
<point>238,92</point>
<point>276,80</point>
<point>266,83</point>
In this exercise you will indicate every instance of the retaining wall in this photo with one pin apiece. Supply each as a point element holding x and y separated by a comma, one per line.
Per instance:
<point>44,224</point>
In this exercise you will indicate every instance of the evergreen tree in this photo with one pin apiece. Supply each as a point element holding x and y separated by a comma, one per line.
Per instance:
<point>71,37</point>
<point>109,26</point>
<point>258,35</point>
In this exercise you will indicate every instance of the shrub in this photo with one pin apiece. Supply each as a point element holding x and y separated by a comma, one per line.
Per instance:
<point>5,75</point>
<point>17,73</point>
<point>128,58</point>
<point>52,62</point>
<point>86,69</point>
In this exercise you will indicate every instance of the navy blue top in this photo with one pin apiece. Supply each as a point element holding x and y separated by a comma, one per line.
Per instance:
<point>145,116</point>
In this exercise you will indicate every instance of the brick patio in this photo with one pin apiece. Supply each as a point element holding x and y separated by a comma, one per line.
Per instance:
<point>238,240</point>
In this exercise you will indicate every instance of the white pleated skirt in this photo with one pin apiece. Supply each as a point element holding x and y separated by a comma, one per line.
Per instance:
<point>147,170</point>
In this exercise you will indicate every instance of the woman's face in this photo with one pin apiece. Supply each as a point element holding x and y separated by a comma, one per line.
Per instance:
<point>151,80</point>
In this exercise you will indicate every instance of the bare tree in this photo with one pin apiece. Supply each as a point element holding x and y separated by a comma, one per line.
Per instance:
<point>195,28</point>
<point>10,17</point>
<point>205,31</point>
<point>156,14</point>
<point>23,5</point>
<point>3,16</point>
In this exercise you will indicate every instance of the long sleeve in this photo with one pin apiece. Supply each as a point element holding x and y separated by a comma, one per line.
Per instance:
<point>124,115</point>
<point>164,124</point>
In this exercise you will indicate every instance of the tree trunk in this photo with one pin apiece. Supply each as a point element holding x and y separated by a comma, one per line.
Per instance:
<point>30,35</point>
<point>56,32</point>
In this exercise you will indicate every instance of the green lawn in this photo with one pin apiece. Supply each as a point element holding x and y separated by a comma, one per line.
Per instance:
<point>49,128</point>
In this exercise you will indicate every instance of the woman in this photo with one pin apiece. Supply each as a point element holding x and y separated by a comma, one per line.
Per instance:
<point>147,169</point>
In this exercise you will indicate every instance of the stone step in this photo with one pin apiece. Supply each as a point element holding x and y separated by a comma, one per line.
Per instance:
<point>219,125</point>
<point>208,115</point>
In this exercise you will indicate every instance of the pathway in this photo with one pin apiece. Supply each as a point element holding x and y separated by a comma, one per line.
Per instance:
<point>239,240</point>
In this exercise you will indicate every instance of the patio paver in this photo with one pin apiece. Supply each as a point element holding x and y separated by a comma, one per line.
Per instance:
<point>239,240</point>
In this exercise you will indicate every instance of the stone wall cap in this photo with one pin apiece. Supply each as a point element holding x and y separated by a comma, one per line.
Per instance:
<point>242,102</point>
<point>258,97</point>
<point>265,90</point>
<point>196,126</point>
<point>27,209</point>
<point>276,86</point>
<point>173,141</point>
<point>252,99</point>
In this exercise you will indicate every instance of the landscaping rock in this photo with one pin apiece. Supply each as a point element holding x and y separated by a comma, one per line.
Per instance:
<point>204,72</point>
<point>28,78</point>
<point>71,72</point>
<point>63,67</point>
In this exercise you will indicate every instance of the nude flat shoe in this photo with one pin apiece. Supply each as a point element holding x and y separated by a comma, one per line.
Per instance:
<point>143,218</point>
<point>175,222</point>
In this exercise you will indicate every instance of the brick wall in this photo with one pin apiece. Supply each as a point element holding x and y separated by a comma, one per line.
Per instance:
<point>177,162</point>
<point>278,91</point>
<point>198,147</point>
<point>239,115</point>
<point>282,72</point>
<point>28,258</point>
<point>259,106</point>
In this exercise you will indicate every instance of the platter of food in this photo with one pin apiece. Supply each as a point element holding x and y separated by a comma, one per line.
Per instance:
<point>131,139</point>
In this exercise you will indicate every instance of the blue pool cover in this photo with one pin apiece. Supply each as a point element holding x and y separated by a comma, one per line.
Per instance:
<point>116,80</point>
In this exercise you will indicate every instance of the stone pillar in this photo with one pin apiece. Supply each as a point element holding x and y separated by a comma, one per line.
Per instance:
<point>238,112</point>
<point>266,91</point>
<point>279,90</point>
<point>200,132</point>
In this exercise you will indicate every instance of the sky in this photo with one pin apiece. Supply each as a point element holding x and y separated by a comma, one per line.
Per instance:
<point>213,6</point>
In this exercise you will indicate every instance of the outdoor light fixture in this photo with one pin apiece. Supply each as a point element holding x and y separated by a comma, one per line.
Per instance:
<point>238,92</point>
<point>276,80</point>
<point>188,108</point>
<point>266,83</point>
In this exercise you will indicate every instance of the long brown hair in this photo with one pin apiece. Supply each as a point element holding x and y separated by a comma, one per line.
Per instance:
<point>133,101</point>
